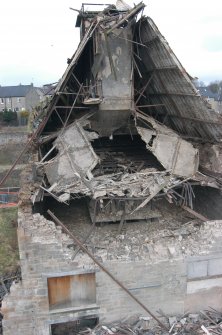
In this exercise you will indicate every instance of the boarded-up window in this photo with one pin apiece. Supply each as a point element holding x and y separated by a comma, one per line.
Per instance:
<point>72,291</point>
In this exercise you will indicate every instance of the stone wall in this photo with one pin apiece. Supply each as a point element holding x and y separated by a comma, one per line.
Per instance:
<point>43,252</point>
<point>170,284</point>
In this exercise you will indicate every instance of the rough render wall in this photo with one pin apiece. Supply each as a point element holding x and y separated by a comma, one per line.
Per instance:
<point>160,281</point>
<point>32,99</point>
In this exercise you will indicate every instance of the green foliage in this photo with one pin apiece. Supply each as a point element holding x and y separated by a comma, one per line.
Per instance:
<point>9,116</point>
<point>198,83</point>
<point>8,240</point>
<point>215,86</point>
<point>24,114</point>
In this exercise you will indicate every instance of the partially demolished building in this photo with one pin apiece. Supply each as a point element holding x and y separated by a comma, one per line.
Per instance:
<point>127,155</point>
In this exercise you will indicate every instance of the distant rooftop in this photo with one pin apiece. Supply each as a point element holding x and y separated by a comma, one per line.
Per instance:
<point>14,91</point>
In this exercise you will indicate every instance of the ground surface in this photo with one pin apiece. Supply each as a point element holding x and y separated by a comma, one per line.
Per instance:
<point>8,240</point>
<point>8,216</point>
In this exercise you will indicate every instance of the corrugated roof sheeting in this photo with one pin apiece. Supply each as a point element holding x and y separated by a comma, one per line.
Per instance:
<point>182,119</point>
<point>187,125</point>
<point>170,85</point>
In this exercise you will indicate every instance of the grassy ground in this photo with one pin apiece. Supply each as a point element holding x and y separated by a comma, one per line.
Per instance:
<point>21,129</point>
<point>8,216</point>
<point>8,240</point>
<point>10,152</point>
<point>13,180</point>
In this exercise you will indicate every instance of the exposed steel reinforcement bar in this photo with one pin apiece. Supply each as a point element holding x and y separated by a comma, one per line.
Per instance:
<point>105,269</point>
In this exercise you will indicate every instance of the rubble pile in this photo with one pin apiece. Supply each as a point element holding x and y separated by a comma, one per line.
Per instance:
<point>107,133</point>
<point>126,160</point>
<point>206,322</point>
<point>174,235</point>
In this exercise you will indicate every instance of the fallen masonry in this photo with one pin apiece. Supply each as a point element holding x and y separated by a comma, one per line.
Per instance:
<point>120,209</point>
<point>205,322</point>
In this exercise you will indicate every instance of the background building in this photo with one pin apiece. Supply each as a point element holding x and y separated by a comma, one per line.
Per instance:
<point>18,98</point>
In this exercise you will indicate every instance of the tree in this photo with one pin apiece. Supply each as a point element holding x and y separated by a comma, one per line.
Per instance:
<point>198,83</point>
<point>8,116</point>
<point>215,86</point>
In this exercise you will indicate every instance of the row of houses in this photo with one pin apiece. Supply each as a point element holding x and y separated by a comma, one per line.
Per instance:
<point>23,97</point>
<point>26,97</point>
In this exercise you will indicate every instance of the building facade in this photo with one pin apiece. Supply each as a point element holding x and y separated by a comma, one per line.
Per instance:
<point>19,98</point>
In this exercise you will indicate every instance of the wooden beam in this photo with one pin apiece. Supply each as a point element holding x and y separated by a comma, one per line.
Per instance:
<point>194,213</point>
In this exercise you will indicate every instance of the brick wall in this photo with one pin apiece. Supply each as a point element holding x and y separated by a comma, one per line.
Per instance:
<point>44,252</point>
<point>173,280</point>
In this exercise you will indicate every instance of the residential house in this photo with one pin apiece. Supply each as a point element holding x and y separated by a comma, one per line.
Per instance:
<point>46,91</point>
<point>19,98</point>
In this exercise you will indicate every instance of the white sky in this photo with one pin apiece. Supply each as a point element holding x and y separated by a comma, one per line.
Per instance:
<point>38,36</point>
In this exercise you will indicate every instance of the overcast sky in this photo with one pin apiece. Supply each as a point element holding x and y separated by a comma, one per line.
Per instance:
<point>38,36</point>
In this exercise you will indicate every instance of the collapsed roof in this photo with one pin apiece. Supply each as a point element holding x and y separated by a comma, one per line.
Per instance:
<point>125,121</point>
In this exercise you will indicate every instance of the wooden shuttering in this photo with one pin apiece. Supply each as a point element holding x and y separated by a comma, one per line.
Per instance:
<point>72,291</point>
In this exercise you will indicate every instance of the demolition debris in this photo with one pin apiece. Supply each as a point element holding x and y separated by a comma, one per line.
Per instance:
<point>205,322</point>
<point>126,139</point>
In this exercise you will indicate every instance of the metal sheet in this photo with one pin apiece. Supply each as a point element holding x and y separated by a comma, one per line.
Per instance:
<point>172,87</point>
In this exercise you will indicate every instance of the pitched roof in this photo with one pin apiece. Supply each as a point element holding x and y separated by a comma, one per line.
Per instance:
<point>165,84</point>
<point>183,108</point>
<point>47,89</point>
<point>14,91</point>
